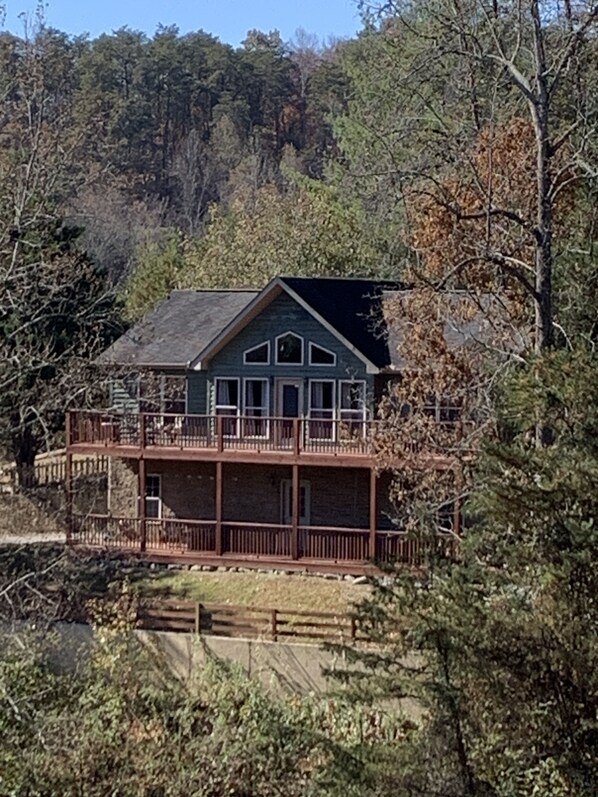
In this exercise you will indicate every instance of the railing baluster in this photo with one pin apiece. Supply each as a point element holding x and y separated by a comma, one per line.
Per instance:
<point>246,433</point>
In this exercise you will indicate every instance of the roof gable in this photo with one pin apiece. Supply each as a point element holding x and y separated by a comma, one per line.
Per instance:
<point>350,309</point>
<point>353,308</point>
<point>189,327</point>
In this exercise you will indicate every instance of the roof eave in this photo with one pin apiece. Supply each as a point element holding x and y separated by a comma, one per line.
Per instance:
<point>247,314</point>
<point>371,368</point>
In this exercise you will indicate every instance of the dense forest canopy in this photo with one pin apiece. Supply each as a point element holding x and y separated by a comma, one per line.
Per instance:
<point>450,145</point>
<point>163,127</point>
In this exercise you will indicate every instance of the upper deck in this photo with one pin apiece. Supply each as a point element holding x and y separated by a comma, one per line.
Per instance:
<point>317,441</point>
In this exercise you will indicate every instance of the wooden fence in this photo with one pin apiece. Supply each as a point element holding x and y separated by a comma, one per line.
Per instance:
<point>245,622</point>
<point>52,471</point>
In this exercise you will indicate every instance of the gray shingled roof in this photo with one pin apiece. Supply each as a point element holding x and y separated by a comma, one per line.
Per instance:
<point>177,329</point>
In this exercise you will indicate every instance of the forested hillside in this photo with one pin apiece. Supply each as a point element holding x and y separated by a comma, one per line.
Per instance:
<point>452,146</point>
<point>168,132</point>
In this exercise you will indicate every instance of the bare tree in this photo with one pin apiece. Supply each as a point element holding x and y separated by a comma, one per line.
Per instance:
<point>495,135</point>
<point>56,307</point>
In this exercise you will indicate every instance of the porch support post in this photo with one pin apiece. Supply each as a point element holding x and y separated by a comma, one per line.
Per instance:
<point>373,513</point>
<point>141,492</point>
<point>218,502</point>
<point>68,490</point>
<point>295,513</point>
<point>142,434</point>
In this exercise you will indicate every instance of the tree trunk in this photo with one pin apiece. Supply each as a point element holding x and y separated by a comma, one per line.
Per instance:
<point>24,451</point>
<point>544,336</point>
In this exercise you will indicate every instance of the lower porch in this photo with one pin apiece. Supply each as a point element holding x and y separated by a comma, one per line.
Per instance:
<point>288,517</point>
<point>317,548</point>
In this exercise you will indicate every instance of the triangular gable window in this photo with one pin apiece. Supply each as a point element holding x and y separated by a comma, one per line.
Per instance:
<point>258,355</point>
<point>320,356</point>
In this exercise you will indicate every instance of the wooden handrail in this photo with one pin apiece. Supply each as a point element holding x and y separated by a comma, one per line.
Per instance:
<point>180,537</point>
<point>113,427</point>
<point>246,621</point>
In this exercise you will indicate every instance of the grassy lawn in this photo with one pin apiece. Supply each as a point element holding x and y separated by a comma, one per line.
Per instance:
<point>268,590</point>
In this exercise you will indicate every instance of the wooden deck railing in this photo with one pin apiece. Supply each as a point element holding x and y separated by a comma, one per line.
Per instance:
<point>250,622</point>
<point>259,541</point>
<point>50,471</point>
<point>219,432</point>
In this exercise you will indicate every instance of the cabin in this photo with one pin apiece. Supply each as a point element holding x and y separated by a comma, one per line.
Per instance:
<point>239,430</point>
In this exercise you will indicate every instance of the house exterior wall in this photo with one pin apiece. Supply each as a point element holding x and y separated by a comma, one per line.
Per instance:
<point>197,392</point>
<point>122,487</point>
<point>339,497</point>
<point>284,314</point>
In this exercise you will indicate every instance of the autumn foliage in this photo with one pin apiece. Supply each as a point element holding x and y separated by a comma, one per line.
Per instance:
<point>474,226</point>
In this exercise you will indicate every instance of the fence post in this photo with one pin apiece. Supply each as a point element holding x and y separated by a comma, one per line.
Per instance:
<point>274,625</point>
<point>68,489</point>
<point>353,628</point>
<point>197,618</point>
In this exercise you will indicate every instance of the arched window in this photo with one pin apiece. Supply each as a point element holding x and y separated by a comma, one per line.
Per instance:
<point>289,349</point>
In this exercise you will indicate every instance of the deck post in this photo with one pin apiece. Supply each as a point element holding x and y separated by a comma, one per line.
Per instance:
<point>142,435</point>
<point>373,513</point>
<point>457,503</point>
<point>295,513</point>
<point>296,427</point>
<point>142,519</point>
<point>219,437</point>
<point>68,488</point>
<point>218,502</point>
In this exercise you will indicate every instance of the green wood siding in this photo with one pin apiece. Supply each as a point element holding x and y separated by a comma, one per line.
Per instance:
<point>122,397</point>
<point>197,393</point>
<point>284,314</point>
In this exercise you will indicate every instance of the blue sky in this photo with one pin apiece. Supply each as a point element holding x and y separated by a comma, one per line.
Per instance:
<point>229,20</point>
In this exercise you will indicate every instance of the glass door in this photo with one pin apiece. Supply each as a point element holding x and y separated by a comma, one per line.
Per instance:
<point>289,405</point>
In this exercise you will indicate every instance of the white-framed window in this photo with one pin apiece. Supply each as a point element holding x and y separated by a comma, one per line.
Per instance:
<point>257,355</point>
<point>289,349</point>
<point>320,356</point>
<point>443,409</point>
<point>352,406</point>
<point>153,496</point>
<point>321,409</point>
<point>256,407</point>
<point>227,402</point>
<point>286,502</point>
<point>165,394</point>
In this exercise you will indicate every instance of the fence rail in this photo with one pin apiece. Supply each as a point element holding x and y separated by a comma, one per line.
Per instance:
<point>52,471</point>
<point>247,621</point>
